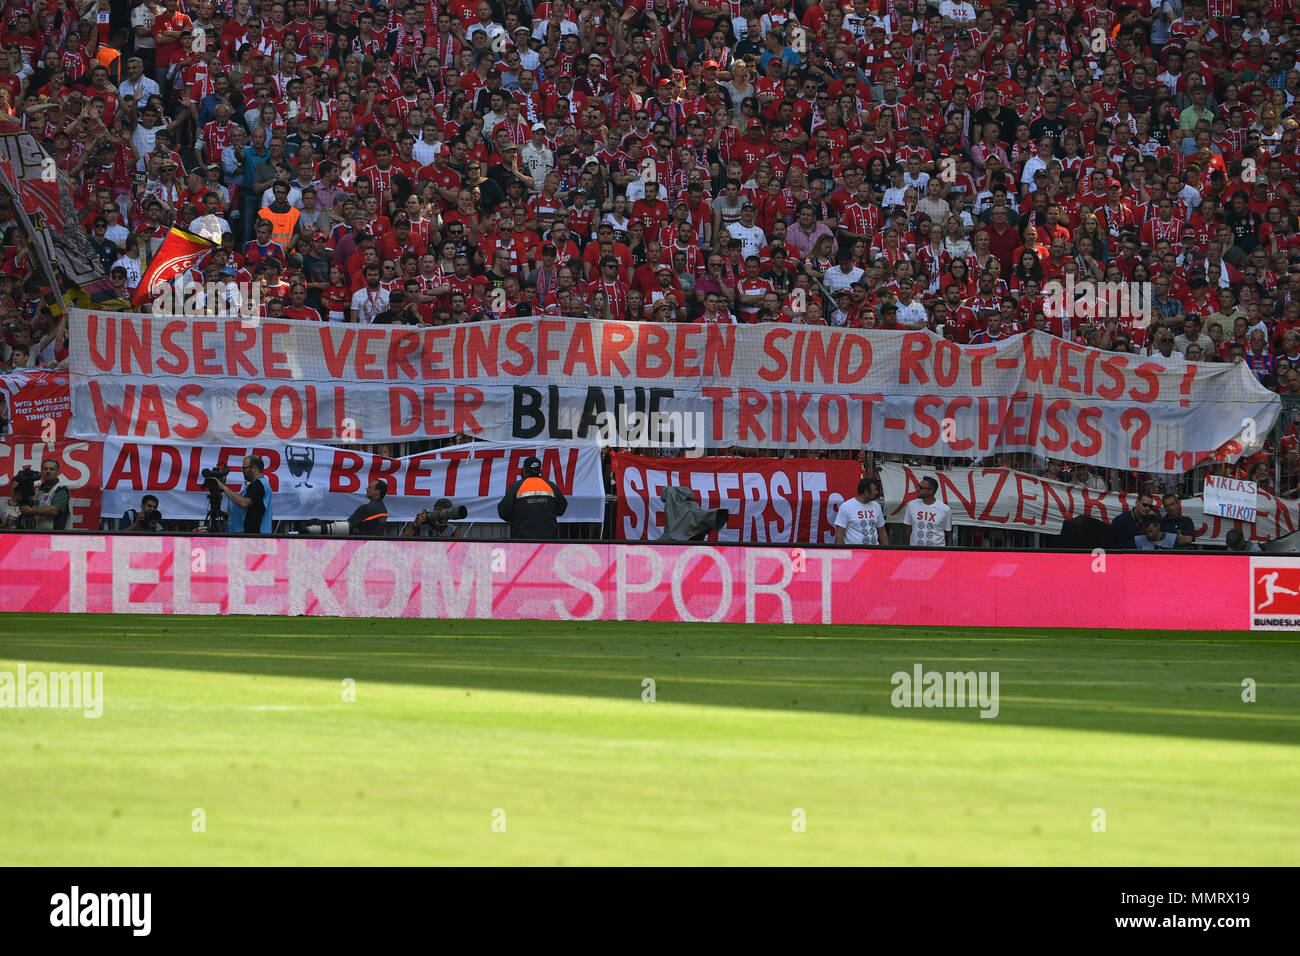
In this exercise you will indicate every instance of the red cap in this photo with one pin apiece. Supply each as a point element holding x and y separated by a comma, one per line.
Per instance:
<point>755,123</point>
<point>710,64</point>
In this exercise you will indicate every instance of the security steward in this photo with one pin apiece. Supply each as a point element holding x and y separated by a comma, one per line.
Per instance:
<point>532,504</point>
<point>369,519</point>
<point>282,216</point>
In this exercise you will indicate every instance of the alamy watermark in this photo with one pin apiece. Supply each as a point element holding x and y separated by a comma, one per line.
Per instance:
<point>1091,301</point>
<point>220,299</point>
<point>80,909</point>
<point>67,690</point>
<point>922,688</point>
<point>626,428</point>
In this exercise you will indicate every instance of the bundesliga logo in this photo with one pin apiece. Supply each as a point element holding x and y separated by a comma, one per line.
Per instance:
<point>1274,594</point>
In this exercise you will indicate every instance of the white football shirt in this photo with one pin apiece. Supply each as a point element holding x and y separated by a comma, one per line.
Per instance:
<point>861,523</point>
<point>751,239</point>
<point>928,522</point>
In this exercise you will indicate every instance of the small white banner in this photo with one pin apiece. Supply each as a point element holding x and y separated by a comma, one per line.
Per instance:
<point>1231,498</point>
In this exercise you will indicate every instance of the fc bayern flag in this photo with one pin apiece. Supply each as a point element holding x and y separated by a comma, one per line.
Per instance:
<point>181,250</point>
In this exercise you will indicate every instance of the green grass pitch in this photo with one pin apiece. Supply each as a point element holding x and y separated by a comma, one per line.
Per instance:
<point>542,730</point>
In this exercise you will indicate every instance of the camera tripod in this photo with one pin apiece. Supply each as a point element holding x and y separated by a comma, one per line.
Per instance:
<point>216,518</point>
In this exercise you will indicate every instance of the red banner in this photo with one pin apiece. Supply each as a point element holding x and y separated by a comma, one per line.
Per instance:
<point>80,470</point>
<point>37,403</point>
<point>770,499</point>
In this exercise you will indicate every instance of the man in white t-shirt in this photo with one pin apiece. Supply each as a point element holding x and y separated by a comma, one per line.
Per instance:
<point>929,519</point>
<point>371,299</point>
<point>752,238</point>
<point>912,313</point>
<point>861,520</point>
<point>960,12</point>
<point>842,277</point>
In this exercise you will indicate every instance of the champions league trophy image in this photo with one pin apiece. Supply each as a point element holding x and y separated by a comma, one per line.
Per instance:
<point>301,460</point>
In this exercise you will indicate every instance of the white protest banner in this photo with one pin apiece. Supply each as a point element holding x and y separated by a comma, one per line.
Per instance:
<point>1002,498</point>
<point>1231,498</point>
<point>164,378</point>
<point>319,481</point>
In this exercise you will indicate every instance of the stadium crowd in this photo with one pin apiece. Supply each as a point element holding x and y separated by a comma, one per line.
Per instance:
<point>869,164</point>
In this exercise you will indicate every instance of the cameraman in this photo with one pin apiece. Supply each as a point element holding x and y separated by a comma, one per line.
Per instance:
<point>250,513</point>
<point>148,518</point>
<point>532,504</point>
<point>46,507</point>
<point>370,518</point>
<point>432,524</point>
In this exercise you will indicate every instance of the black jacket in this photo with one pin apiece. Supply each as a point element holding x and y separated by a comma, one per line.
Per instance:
<point>531,506</point>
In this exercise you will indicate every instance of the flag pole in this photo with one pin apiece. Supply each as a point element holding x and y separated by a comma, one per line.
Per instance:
<point>34,247</point>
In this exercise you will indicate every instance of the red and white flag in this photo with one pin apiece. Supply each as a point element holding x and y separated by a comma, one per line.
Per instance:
<point>181,250</point>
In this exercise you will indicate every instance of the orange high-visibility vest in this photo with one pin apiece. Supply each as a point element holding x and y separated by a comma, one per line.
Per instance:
<point>282,225</point>
<point>111,60</point>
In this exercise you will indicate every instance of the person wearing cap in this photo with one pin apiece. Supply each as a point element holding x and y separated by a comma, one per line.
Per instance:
<point>316,261</point>
<point>751,236</point>
<point>666,289</point>
<point>536,156</point>
<point>508,172</point>
<point>533,504</point>
<point>435,523</point>
<point>399,311</point>
<point>520,37</point>
<point>593,84</point>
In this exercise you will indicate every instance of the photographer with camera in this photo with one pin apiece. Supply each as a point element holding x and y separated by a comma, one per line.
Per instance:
<point>42,506</point>
<point>532,504</point>
<point>148,518</point>
<point>250,513</point>
<point>435,523</point>
<point>370,518</point>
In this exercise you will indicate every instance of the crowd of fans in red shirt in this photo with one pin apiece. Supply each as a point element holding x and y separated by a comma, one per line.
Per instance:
<point>869,164</point>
